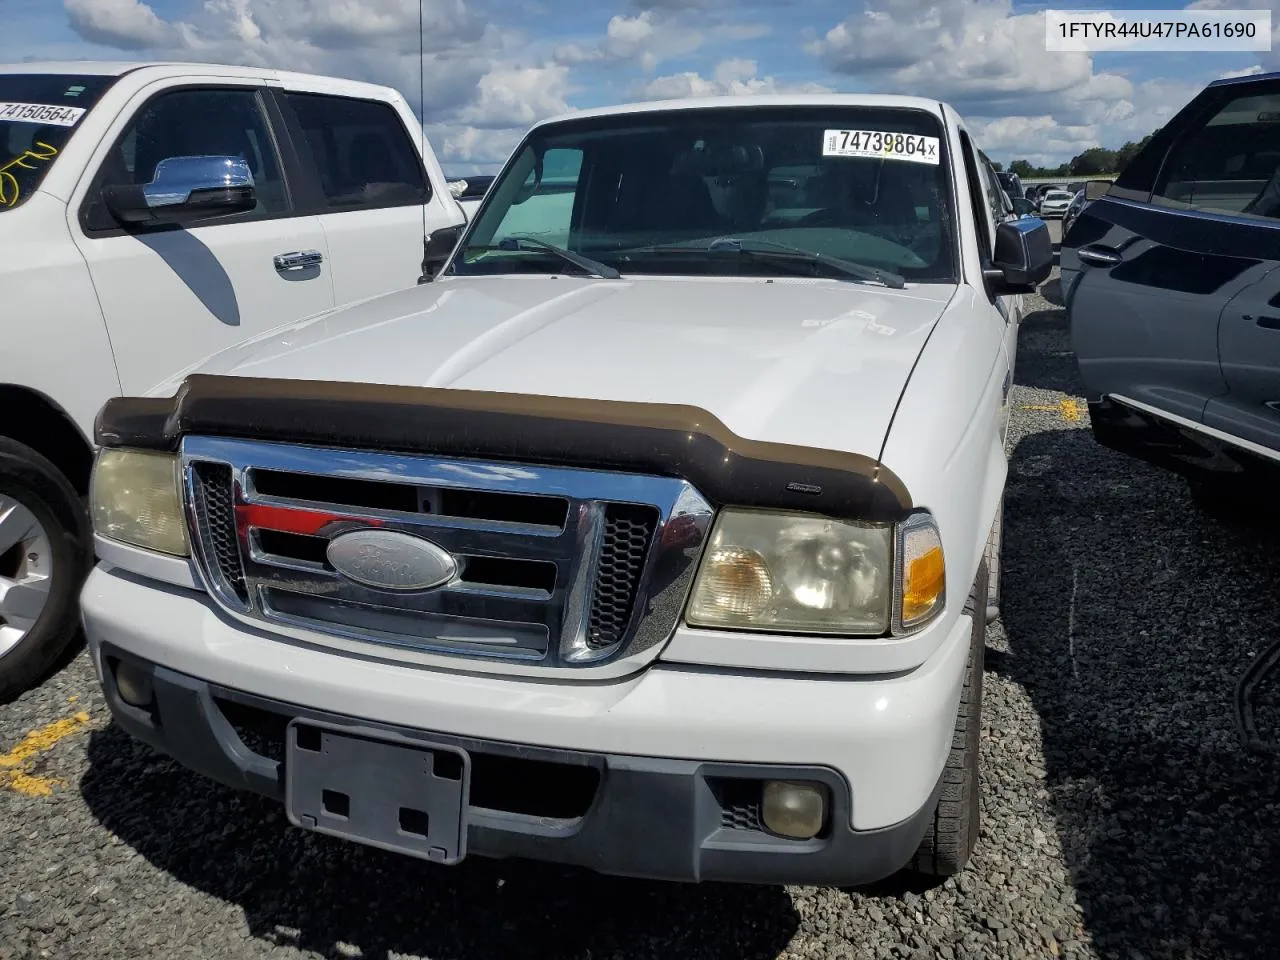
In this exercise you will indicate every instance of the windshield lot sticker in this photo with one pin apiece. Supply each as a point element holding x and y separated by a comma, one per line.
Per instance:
<point>880,144</point>
<point>41,113</point>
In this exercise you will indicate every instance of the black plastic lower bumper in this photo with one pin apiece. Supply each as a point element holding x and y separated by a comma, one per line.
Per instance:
<point>632,816</point>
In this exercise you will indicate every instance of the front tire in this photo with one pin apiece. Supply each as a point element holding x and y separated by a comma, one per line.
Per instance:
<point>45,553</point>
<point>953,830</point>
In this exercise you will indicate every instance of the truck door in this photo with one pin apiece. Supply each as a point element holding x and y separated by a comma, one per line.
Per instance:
<point>373,194</point>
<point>172,295</point>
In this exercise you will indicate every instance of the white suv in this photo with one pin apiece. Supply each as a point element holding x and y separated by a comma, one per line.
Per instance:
<point>657,534</point>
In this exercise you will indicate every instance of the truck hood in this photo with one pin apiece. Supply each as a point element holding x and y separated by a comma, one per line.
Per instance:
<point>819,363</point>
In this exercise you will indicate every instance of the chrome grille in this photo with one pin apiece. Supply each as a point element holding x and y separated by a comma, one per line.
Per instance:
<point>556,567</point>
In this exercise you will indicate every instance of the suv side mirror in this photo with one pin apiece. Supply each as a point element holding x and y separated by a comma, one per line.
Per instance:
<point>436,249</point>
<point>1095,189</point>
<point>184,189</point>
<point>1023,207</point>
<point>1023,256</point>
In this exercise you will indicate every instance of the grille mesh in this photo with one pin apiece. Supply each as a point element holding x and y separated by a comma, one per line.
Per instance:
<point>740,816</point>
<point>215,513</point>
<point>627,532</point>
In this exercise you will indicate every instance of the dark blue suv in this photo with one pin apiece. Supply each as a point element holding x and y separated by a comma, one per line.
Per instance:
<point>1171,280</point>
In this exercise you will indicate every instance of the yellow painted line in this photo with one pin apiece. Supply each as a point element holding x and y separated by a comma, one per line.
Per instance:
<point>16,766</point>
<point>1068,408</point>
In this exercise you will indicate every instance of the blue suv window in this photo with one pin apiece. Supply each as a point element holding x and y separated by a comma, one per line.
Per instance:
<point>1230,164</point>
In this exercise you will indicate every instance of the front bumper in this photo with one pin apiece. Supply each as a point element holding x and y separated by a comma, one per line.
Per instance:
<point>667,751</point>
<point>635,816</point>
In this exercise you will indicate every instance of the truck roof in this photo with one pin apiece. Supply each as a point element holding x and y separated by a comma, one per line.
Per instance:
<point>116,68</point>
<point>934,107</point>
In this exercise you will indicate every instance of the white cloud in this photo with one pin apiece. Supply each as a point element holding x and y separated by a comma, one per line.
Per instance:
<point>736,77</point>
<point>1246,72</point>
<point>373,40</point>
<point>511,96</point>
<point>651,37</point>
<point>125,24</point>
<point>991,64</point>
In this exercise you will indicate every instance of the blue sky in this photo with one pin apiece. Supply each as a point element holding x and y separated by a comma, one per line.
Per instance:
<point>495,66</point>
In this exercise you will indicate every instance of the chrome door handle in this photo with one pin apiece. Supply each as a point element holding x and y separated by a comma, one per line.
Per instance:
<point>1099,256</point>
<point>298,260</point>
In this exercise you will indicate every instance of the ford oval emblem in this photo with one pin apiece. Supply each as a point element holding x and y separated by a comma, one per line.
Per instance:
<point>389,560</point>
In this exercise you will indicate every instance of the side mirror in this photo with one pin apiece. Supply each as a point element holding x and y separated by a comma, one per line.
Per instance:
<point>1023,207</point>
<point>1095,189</point>
<point>436,249</point>
<point>184,189</point>
<point>1023,256</point>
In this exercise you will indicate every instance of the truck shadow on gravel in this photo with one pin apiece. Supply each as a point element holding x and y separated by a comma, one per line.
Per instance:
<point>315,893</point>
<point>1130,618</point>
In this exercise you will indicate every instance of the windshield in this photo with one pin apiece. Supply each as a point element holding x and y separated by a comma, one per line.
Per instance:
<point>38,114</point>
<point>649,192</point>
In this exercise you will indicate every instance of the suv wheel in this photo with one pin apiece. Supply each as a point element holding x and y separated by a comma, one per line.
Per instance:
<point>953,830</point>
<point>45,553</point>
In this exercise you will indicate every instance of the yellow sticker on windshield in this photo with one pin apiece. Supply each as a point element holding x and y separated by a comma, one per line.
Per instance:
<point>881,145</point>
<point>9,189</point>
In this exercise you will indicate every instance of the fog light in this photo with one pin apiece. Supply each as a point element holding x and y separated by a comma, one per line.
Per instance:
<point>134,684</point>
<point>794,810</point>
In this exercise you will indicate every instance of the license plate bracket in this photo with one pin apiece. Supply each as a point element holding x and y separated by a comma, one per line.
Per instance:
<point>406,796</point>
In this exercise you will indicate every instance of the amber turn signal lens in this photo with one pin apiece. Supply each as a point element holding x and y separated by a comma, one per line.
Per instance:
<point>923,584</point>
<point>923,571</point>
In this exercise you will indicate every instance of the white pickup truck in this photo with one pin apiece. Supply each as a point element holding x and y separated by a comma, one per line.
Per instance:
<point>656,534</point>
<point>151,215</point>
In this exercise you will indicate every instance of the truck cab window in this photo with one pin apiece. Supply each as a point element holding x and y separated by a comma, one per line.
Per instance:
<point>361,152</point>
<point>190,123</point>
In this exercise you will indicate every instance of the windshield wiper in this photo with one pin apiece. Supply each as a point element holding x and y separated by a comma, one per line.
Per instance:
<point>593,267</point>
<point>783,252</point>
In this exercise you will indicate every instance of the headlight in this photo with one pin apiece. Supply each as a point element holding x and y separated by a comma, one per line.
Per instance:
<point>794,573</point>
<point>798,573</point>
<point>136,499</point>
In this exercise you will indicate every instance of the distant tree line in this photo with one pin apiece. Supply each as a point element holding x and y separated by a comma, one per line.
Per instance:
<point>1092,161</point>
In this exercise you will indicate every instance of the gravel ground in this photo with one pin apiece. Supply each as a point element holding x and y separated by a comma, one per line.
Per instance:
<point>1122,818</point>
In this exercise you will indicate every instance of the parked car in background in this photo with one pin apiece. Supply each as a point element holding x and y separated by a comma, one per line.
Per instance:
<point>1171,279</point>
<point>1078,203</point>
<point>1054,203</point>
<point>492,591</point>
<point>1011,183</point>
<point>150,215</point>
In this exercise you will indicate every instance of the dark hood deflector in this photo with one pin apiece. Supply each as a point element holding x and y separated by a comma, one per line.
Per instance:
<point>656,438</point>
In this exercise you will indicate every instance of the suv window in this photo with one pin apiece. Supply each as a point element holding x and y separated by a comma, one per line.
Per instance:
<point>191,123</point>
<point>1230,163</point>
<point>362,152</point>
